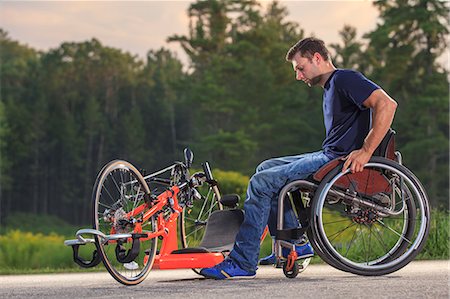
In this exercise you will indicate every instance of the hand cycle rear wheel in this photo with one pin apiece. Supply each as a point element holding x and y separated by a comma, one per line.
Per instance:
<point>353,228</point>
<point>118,191</point>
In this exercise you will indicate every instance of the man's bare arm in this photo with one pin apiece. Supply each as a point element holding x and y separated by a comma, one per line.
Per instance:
<point>383,109</point>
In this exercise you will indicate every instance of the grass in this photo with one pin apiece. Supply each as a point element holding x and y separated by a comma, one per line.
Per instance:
<point>436,247</point>
<point>35,252</point>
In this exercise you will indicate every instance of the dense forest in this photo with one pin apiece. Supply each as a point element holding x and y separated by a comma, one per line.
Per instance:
<point>66,112</point>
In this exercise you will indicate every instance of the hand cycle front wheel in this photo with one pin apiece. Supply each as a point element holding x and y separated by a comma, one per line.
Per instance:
<point>194,217</point>
<point>371,223</point>
<point>118,193</point>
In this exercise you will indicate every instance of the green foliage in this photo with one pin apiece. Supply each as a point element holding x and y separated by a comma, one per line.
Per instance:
<point>349,55</point>
<point>403,51</point>
<point>23,251</point>
<point>437,246</point>
<point>33,223</point>
<point>66,112</point>
<point>231,182</point>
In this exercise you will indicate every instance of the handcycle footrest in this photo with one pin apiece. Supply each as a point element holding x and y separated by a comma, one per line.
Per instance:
<point>191,250</point>
<point>96,259</point>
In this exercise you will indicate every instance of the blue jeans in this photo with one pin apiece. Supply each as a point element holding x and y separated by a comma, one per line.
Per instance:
<point>262,202</point>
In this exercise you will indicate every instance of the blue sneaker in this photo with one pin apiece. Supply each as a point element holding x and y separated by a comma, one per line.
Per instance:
<point>268,260</point>
<point>227,269</point>
<point>303,251</point>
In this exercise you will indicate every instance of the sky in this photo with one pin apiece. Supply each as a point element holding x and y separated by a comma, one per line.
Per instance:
<point>138,26</point>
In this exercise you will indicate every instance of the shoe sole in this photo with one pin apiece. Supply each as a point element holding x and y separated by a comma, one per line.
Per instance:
<point>240,277</point>
<point>305,256</point>
<point>228,278</point>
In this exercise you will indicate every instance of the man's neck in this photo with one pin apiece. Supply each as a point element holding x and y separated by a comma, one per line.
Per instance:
<point>326,75</point>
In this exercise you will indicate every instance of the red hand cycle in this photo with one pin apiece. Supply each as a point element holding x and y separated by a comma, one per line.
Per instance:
<point>187,214</point>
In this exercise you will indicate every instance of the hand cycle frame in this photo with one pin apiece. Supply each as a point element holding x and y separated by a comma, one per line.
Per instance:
<point>161,210</point>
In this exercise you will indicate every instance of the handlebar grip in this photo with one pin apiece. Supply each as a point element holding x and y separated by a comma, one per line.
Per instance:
<point>207,171</point>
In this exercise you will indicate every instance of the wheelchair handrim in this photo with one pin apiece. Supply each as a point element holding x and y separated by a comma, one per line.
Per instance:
<point>420,235</point>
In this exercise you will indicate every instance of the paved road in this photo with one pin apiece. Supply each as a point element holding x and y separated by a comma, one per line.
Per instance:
<point>422,279</point>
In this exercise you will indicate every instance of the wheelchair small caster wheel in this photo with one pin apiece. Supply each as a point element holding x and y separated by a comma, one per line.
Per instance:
<point>291,270</point>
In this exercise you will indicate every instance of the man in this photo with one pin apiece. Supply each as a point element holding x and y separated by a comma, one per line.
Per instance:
<point>357,115</point>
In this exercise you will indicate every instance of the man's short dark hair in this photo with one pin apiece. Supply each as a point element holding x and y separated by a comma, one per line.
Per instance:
<point>307,47</point>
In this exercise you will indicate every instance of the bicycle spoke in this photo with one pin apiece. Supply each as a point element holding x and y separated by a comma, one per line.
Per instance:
<point>105,205</point>
<point>115,183</point>
<point>103,187</point>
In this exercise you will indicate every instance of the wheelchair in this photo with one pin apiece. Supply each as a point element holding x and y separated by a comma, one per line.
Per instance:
<point>368,223</point>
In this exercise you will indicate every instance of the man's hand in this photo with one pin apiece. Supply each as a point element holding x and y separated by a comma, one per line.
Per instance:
<point>356,160</point>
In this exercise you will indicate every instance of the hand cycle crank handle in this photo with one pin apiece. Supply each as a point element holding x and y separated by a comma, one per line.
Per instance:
<point>211,181</point>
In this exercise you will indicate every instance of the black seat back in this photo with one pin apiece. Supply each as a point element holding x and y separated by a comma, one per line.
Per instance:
<point>387,146</point>
<point>222,229</point>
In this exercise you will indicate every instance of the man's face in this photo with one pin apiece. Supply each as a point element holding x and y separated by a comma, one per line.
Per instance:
<point>306,69</point>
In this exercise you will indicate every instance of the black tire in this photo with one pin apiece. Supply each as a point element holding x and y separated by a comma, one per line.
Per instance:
<point>293,272</point>
<point>397,239</point>
<point>118,190</point>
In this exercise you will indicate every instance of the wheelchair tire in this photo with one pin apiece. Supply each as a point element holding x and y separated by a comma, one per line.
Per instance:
<point>118,190</point>
<point>353,230</point>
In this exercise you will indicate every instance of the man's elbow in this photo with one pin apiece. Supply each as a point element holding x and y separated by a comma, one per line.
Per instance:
<point>392,104</point>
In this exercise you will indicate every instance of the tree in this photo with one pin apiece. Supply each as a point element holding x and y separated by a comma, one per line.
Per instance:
<point>404,49</point>
<point>17,83</point>
<point>350,54</point>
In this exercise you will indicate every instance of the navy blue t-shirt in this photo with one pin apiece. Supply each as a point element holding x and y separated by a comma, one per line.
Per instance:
<point>347,120</point>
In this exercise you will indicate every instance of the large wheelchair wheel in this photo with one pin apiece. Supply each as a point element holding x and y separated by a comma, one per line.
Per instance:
<point>118,191</point>
<point>373,222</point>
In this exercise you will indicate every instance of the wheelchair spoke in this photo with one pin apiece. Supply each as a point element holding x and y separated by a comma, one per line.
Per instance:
<point>340,232</point>
<point>395,232</point>
<point>380,240</point>
<point>383,241</point>
<point>369,245</point>
<point>351,242</point>
<point>337,221</point>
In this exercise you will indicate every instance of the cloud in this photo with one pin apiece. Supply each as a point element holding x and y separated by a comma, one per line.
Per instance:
<point>137,27</point>
<point>132,26</point>
<point>326,18</point>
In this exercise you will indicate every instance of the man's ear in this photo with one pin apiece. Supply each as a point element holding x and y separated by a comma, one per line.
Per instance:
<point>317,58</point>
